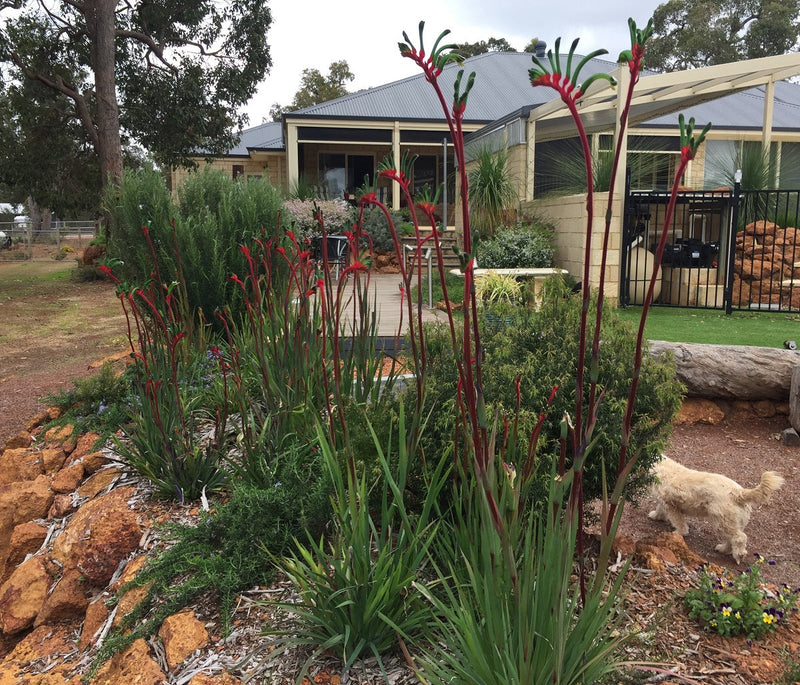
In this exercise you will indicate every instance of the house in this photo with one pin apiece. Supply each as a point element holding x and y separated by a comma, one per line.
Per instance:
<point>336,145</point>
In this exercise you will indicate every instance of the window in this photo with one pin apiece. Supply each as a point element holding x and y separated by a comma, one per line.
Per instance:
<point>340,173</point>
<point>237,171</point>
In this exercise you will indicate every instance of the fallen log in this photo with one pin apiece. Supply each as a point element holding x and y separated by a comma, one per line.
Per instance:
<point>733,372</point>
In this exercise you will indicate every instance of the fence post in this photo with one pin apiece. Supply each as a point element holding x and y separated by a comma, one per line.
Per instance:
<point>733,228</point>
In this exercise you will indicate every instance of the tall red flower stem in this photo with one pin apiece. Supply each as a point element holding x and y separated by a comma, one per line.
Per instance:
<point>689,147</point>
<point>634,59</point>
<point>470,364</point>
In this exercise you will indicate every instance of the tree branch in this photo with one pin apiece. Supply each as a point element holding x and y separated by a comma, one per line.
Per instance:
<point>57,83</point>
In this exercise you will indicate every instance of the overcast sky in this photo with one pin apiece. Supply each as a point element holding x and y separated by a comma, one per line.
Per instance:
<point>365,33</point>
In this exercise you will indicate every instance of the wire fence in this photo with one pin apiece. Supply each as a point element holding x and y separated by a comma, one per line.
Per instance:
<point>62,240</point>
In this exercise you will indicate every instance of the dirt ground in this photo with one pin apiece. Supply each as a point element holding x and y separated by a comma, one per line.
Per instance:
<point>741,448</point>
<point>50,334</point>
<point>53,334</point>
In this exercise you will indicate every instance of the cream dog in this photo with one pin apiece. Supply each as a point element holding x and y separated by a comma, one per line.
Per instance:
<point>680,492</point>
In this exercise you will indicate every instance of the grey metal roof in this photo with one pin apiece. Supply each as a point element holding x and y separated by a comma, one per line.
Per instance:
<point>502,91</point>
<point>501,86</point>
<point>744,111</point>
<point>266,136</point>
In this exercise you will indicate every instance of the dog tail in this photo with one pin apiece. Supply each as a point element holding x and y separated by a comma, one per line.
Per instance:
<point>770,481</point>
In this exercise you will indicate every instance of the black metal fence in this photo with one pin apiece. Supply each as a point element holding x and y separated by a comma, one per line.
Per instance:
<point>725,249</point>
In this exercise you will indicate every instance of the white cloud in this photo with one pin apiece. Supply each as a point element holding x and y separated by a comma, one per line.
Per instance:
<point>365,33</point>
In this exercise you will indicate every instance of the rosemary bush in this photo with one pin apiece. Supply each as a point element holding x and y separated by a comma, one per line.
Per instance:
<point>521,245</point>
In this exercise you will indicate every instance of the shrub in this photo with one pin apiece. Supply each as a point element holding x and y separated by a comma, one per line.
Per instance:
<point>301,216</point>
<point>142,199</point>
<point>199,237</point>
<point>740,605</point>
<point>231,550</point>
<point>96,403</point>
<point>356,594</point>
<point>523,245</point>
<point>540,348</point>
<point>492,191</point>
<point>374,225</point>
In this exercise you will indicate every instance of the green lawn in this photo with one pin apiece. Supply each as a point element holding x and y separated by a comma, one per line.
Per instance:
<point>674,324</point>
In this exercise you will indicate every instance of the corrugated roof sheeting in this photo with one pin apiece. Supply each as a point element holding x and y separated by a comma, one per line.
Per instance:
<point>502,87</point>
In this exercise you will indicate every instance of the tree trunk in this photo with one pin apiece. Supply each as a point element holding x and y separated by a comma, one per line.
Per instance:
<point>100,24</point>
<point>732,372</point>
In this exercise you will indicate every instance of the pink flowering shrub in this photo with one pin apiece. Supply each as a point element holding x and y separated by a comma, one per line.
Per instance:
<point>301,215</point>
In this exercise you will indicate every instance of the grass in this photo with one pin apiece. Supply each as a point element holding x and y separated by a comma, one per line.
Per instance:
<point>714,327</point>
<point>681,324</point>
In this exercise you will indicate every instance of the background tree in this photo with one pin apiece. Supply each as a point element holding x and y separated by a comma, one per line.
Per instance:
<point>46,157</point>
<point>316,88</point>
<point>697,33</point>
<point>171,73</point>
<point>483,46</point>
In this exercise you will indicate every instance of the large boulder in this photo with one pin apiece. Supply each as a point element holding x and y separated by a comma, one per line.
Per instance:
<point>23,594</point>
<point>102,533</point>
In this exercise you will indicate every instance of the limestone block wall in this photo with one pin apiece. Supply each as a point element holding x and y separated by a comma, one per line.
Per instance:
<point>568,214</point>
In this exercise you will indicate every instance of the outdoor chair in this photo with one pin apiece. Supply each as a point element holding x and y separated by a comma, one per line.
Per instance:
<point>338,252</point>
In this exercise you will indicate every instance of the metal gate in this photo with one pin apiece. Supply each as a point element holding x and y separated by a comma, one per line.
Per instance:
<point>725,249</point>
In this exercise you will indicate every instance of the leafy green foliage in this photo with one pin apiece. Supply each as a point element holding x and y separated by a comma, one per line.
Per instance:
<point>316,88</point>
<point>200,236</point>
<point>96,403</point>
<point>492,191</point>
<point>739,605</point>
<point>521,245</point>
<point>231,550</point>
<point>481,47</point>
<point>44,153</point>
<point>179,70</point>
<point>540,348</point>
<point>356,597</point>
<point>375,225</point>
<point>696,33</point>
<point>518,620</point>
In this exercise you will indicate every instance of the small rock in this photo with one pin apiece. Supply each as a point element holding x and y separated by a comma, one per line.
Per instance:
<point>23,594</point>
<point>67,600</point>
<point>98,482</point>
<point>37,421</point>
<point>62,505</point>
<point>133,666</point>
<point>83,446</point>
<point>20,464</point>
<point>59,435</point>
<point>220,679</point>
<point>93,462</point>
<point>39,647</point>
<point>26,539</point>
<point>52,459</point>
<point>182,634</point>
<point>698,410</point>
<point>96,615</point>
<point>790,437</point>
<point>21,439</point>
<point>68,479</point>
<point>101,534</point>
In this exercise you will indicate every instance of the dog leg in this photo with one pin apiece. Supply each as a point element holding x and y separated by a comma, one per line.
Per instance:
<point>659,513</point>
<point>675,517</point>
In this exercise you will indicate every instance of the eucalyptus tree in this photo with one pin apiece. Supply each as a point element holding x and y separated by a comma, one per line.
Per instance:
<point>698,33</point>
<point>171,74</point>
